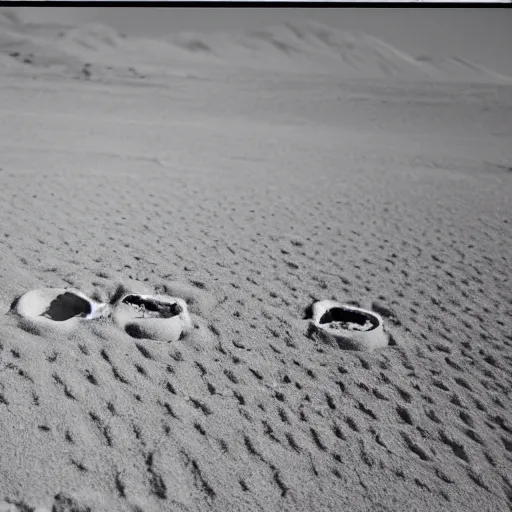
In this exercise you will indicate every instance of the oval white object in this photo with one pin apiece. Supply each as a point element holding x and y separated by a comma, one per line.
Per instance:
<point>62,308</point>
<point>156,317</point>
<point>348,327</point>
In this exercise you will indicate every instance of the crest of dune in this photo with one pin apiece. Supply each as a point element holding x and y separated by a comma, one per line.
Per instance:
<point>457,69</point>
<point>309,46</point>
<point>95,37</point>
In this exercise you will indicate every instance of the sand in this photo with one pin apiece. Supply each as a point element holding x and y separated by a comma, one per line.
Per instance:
<point>250,193</point>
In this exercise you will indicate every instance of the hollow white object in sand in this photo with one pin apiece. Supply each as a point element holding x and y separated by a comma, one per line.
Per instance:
<point>155,317</point>
<point>349,327</point>
<point>62,308</point>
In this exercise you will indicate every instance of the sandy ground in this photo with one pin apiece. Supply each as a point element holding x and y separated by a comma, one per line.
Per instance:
<point>250,195</point>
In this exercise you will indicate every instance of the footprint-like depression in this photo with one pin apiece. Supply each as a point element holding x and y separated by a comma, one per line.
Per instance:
<point>61,308</point>
<point>348,327</point>
<point>156,317</point>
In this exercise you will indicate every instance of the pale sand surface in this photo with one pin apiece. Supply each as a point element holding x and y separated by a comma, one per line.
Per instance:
<point>250,194</point>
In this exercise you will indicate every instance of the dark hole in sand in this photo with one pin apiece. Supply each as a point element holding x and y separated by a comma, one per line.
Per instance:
<point>308,312</point>
<point>66,306</point>
<point>154,307</point>
<point>134,331</point>
<point>14,303</point>
<point>348,319</point>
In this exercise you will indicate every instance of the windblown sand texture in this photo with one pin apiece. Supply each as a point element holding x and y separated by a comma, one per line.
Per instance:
<point>251,174</point>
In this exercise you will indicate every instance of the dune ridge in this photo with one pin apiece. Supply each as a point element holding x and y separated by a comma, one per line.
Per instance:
<point>299,46</point>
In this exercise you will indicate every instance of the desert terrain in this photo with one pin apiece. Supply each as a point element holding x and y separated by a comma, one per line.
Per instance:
<point>251,174</point>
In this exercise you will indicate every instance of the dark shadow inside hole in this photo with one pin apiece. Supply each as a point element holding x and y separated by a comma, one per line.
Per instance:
<point>347,316</point>
<point>14,303</point>
<point>308,312</point>
<point>163,309</point>
<point>66,306</point>
<point>134,331</point>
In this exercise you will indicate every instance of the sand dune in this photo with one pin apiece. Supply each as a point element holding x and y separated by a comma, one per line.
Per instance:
<point>250,193</point>
<point>306,45</point>
<point>463,70</point>
<point>299,47</point>
<point>18,43</point>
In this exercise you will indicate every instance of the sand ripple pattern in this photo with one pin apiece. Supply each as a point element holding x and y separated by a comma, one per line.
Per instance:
<point>250,221</point>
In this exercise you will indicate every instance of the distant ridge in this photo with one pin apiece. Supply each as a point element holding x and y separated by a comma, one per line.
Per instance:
<point>313,46</point>
<point>301,46</point>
